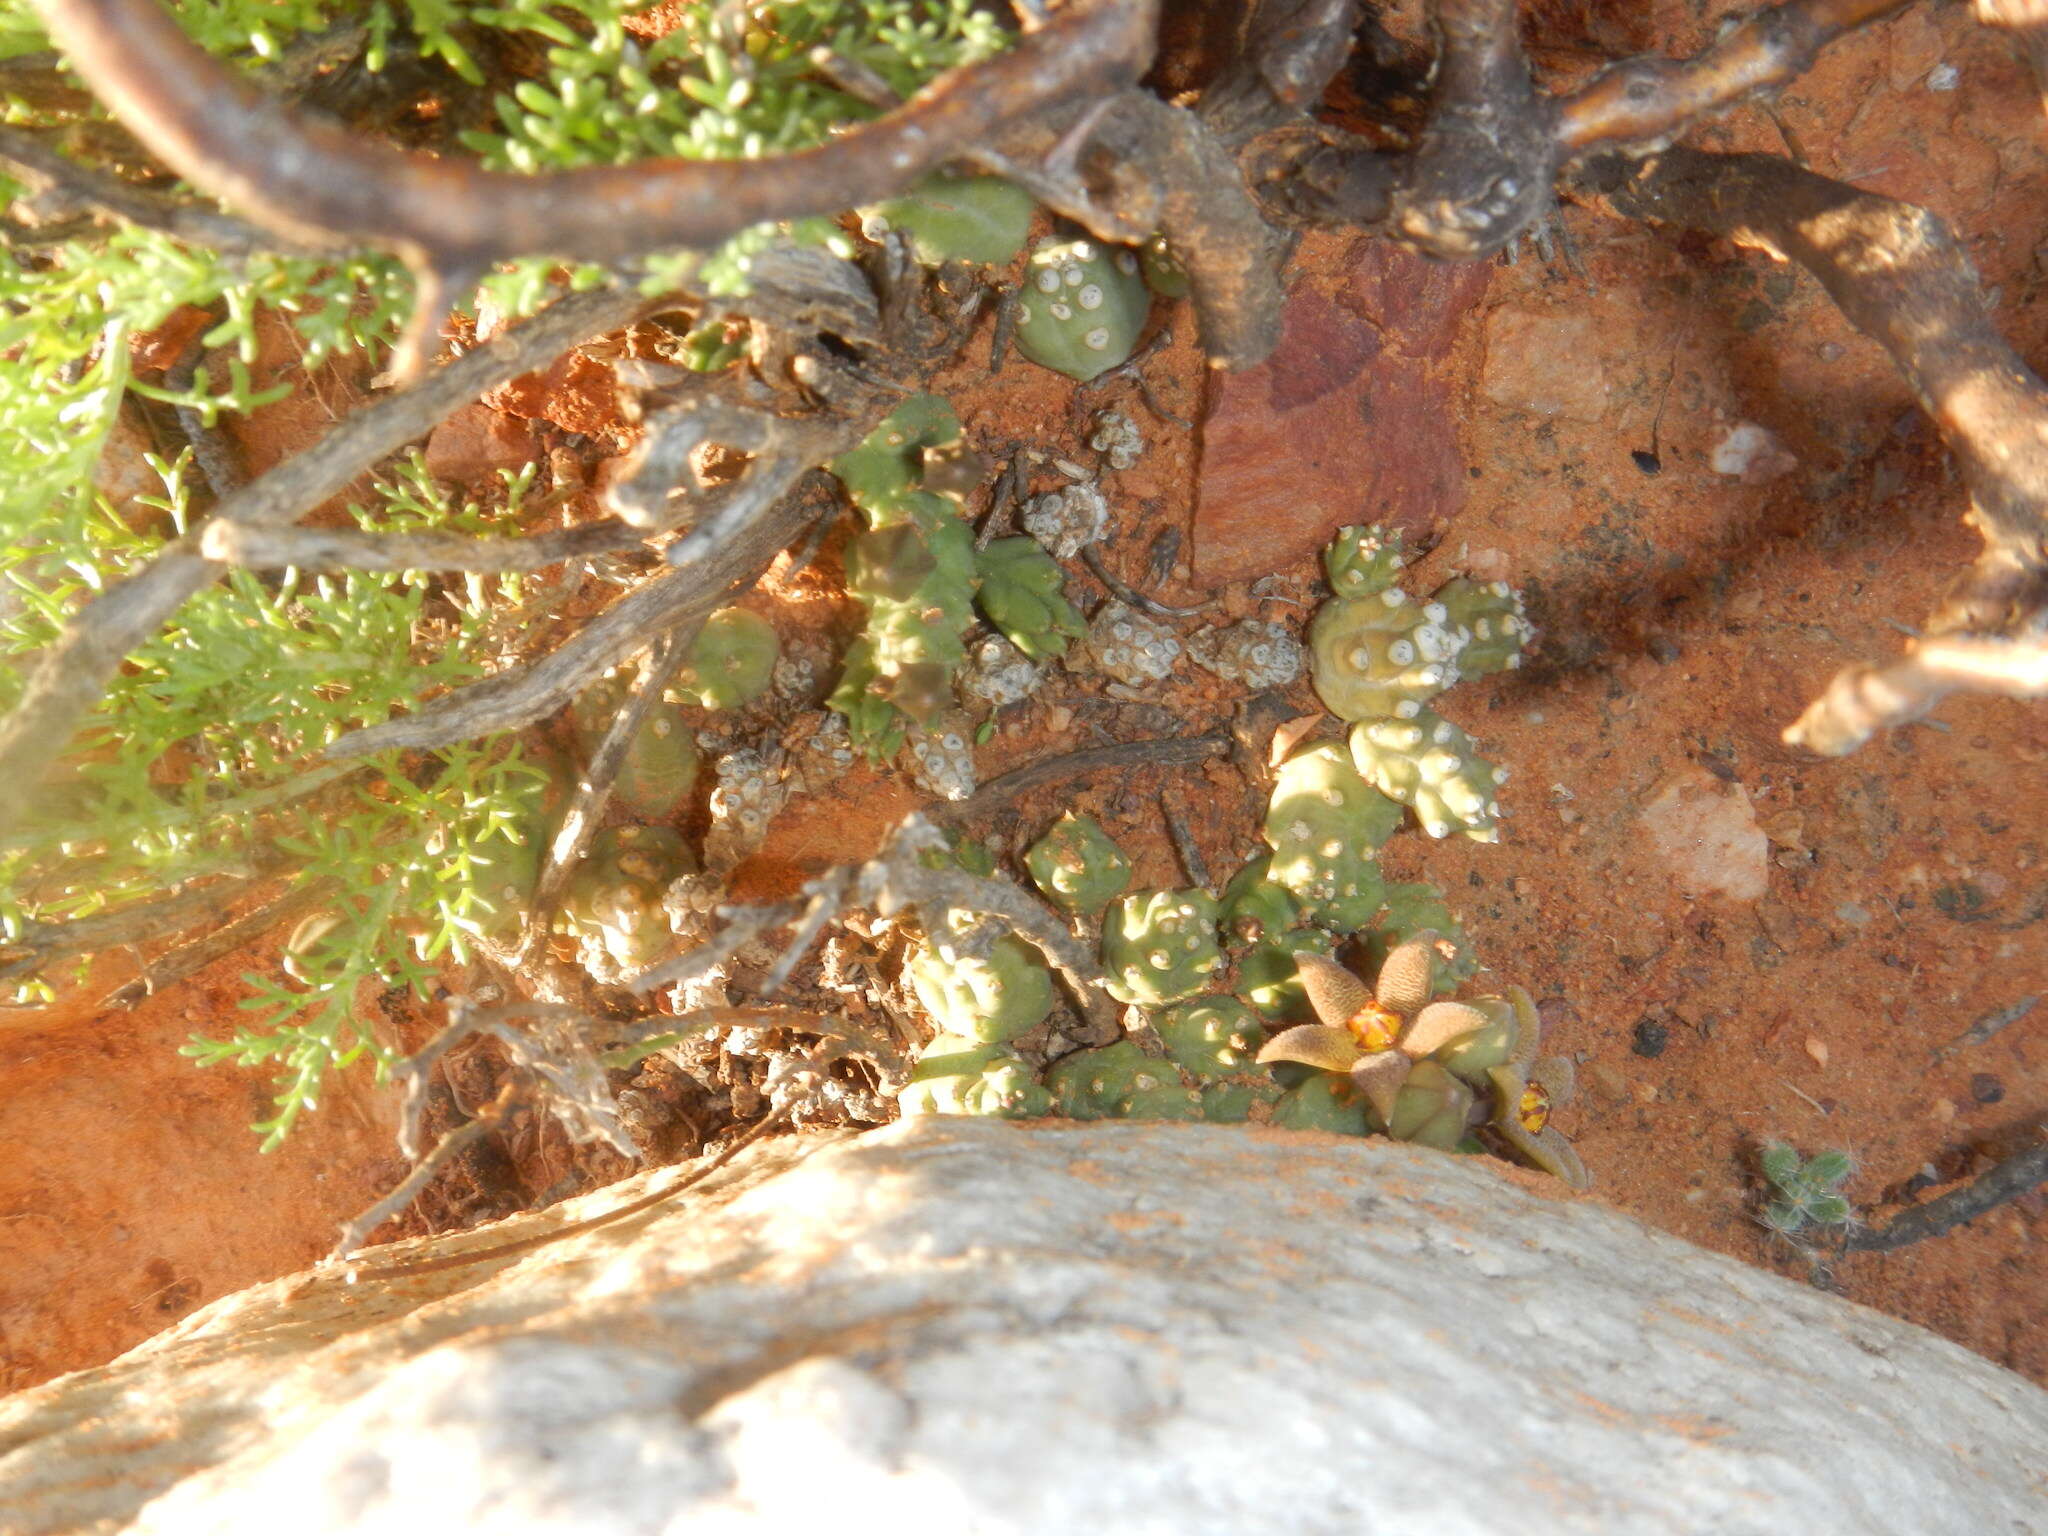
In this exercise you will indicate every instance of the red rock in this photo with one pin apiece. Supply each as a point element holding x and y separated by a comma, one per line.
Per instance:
<point>154,350</point>
<point>1349,421</point>
<point>476,441</point>
<point>575,392</point>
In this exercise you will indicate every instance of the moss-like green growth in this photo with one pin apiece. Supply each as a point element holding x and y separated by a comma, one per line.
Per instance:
<point>1325,825</point>
<point>1382,655</point>
<point>1324,1102</point>
<point>955,1076</point>
<point>1023,592</point>
<point>957,218</point>
<point>1490,614</point>
<point>1362,562</point>
<point>1078,866</point>
<point>732,660</point>
<point>661,765</point>
<point>1160,946</point>
<point>613,906</point>
<point>1431,765</point>
<point>990,998</point>
<point>1210,1036</point>
<point>1082,307</point>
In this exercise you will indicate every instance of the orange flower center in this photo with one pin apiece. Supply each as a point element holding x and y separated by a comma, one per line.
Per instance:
<point>1374,1027</point>
<point>1534,1110</point>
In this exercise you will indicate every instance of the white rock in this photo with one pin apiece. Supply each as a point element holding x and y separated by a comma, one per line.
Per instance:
<point>972,1326</point>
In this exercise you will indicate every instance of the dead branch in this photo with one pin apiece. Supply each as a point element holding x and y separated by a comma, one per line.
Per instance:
<point>191,958</point>
<point>2027,20</point>
<point>70,675</point>
<point>354,549</point>
<point>38,943</point>
<point>1121,758</point>
<point>1288,53</point>
<point>66,190</point>
<point>1899,276</point>
<point>1486,164</point>
<point>316,181</point>
<point>2018,1175</point>
<point>679,600</point>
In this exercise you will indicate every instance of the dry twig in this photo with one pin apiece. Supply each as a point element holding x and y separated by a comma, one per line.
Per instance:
<point>1898,275</point>
<point>70,674</point>
<point>2017,1175</point>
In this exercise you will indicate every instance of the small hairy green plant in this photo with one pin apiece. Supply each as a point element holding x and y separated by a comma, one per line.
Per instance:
<point>1806,1191</point>
<point>198,766</point>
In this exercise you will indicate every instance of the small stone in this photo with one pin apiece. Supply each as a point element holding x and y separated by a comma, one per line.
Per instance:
<point>1942,1111</point>
<point>1986,1089</point>
<point>1817,1048</point>
<point>1651,1036</point>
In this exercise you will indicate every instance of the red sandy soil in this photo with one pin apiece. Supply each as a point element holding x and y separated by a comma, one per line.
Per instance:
<point>1811,981</point>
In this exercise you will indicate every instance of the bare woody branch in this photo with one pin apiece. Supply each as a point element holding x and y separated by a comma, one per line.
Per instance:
<point>315,181</point>
<point>2020,1174</point>
<point>65,189</point>
<point>354,549</point>
<point>1898,275</point>
<point>1486,165</point>
<point>69,676</point>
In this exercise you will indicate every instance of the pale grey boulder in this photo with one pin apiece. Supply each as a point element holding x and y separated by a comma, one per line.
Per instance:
<point>972,1326</point>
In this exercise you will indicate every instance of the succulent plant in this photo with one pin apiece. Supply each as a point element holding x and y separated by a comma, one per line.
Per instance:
<point>1117,438</point>
<point>506,865</point>
<point>994,997</point>
<point>613,907</point>
<point>752,788</point>
<point>1068,520</point>
<point>1023,593</point>
<point>1431,765</point>
<point>1363,562</point>
<point>1432,1109</point>
<point>1491,615</point>
<point>1325,825</point>
<point>1162,270</point>
<point>955,1076</point>
<point>957,218</point>
<point>1254,653</point>
<point>997,673</point>
<point>891,461</point>
<point>1413,909</point>
<point>1082,307</point>
<point>1098,1084</point>
<point>1233,1101</point>
<point>732,661</point>
<point>1133,649</point>
<point>1210,1037</point>
<point>1525,1091</point>
<point>1323,1103</point>
<point>942,756</point>
<point>1255,906</point>
<point>1268,978</point>
<point>1382,655</point>
<point>660,766</point>
<point>1160,946</point>
<point>1808,1190</point>
<point>1078,866</point>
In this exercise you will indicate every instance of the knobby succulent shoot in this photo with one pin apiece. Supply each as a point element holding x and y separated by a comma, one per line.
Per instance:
<point>958,1076</point>
<point>1252,653</point>
<point>1435,769</point>
<point>1134,650</point>
<point>1118,1082</point>
<point>505,864</point>
<point>1162,270</point>
<point>913,570</point>
<point>1382,655</point>
<point>1325,825</point>
<point>661,765</point>
<point>957,218</point>
<point>731,662</point>
<point>1491,617</point>
<point>1361,562</point>
<point>613,908</point>
<point>1412,910</point>
<point>1160,946</point>
<point>1210,1037</point>
<point>991,997</point>
<point>1082,307</point>
<point>1078,866</point>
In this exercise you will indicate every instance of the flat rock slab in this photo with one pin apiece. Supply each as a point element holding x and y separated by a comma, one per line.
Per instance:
<point>957,1325</point>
